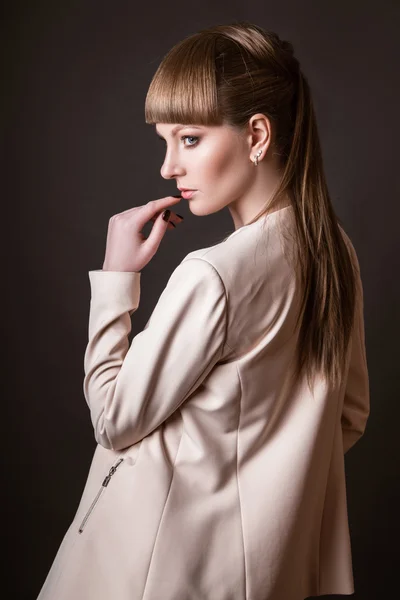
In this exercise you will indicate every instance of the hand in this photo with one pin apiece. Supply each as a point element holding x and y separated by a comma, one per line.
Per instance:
<point>127,249</point>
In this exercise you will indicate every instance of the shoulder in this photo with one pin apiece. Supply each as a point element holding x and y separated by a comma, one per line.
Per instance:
<point>247,252</point>
<point>196,277</point>
<point>206,263</point>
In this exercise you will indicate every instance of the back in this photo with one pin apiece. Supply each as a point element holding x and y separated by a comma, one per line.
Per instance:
<point>218,477</point>
<point>290,441</point>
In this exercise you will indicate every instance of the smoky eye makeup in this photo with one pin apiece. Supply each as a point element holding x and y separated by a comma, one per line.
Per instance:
<point>191,137</point>
<point>195,140</point>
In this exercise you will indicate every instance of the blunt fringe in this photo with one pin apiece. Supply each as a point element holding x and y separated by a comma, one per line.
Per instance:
<point>223,75</point>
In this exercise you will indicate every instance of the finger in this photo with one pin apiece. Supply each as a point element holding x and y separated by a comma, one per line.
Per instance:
<point>174,218</point>
<point>151,209</point>
<point>171,225</point>
<point>157,233</point>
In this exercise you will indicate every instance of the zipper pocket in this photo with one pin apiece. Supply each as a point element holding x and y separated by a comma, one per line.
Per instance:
<point>105,483</point>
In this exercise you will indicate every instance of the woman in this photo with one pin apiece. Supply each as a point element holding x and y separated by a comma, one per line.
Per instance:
<point>219,470</point>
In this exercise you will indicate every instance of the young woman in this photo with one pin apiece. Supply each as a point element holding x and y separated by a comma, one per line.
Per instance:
<point>222,428</point>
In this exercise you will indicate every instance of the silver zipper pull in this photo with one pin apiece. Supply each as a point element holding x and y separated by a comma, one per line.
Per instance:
<point>111,473</point>
<point>99,493</point>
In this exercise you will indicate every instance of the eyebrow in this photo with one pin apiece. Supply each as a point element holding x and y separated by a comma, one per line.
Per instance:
<point>177,128</point>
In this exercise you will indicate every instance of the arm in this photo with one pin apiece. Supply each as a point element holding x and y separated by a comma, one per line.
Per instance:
<point>131,390</point>
<point>356,405</point>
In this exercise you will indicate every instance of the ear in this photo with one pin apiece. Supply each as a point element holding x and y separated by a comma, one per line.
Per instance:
<point>259,134</point>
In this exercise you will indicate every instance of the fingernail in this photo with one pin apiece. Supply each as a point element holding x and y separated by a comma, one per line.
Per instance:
<point>180,216</point>
<point>173,224</point>
<point>178,196</point>
<point>166,214</point>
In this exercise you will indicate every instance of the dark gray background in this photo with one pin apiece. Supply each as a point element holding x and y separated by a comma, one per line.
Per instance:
<point>76,150</point>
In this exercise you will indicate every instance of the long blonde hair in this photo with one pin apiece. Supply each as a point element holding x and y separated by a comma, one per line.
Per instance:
<point>225,74</point>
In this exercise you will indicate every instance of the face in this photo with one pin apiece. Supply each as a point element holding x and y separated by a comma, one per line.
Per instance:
<point>213,160</point>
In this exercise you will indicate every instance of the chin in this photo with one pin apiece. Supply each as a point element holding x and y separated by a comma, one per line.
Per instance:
<point>202,209</point>
<point>199,211</point>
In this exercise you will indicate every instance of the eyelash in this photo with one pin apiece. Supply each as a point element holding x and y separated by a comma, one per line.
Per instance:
<point>184,137</point>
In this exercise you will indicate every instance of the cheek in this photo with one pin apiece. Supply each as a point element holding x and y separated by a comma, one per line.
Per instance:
<point>217,166</point>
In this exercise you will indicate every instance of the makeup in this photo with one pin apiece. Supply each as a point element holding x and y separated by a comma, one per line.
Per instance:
<point>187,195</point>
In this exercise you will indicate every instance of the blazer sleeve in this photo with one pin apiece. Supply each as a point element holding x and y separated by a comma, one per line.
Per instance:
<point>356,404</point>
<point>131,390</point>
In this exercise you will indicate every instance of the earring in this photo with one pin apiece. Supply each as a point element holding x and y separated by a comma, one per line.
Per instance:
<point>256,158</point>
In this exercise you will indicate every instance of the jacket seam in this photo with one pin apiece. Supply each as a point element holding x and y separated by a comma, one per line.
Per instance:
<point>225,343</point>
<point>237,482</point>
<point>162,515</point>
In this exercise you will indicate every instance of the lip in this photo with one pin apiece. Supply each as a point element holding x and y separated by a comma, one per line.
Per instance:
<point>187,193</point>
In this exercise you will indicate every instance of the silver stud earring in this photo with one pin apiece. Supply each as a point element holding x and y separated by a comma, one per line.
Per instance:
<point>256,157</point>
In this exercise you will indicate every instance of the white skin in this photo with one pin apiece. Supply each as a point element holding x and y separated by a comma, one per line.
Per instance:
<point>217,161</point>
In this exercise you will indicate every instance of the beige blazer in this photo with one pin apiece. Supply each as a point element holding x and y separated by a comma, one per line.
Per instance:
<point>212,479</point>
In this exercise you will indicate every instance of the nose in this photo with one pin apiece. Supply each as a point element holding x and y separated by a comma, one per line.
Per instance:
<point>169,168</point>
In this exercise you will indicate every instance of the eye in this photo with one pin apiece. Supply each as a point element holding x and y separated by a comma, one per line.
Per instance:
<point>192,137</point>
<point>184,137</point>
